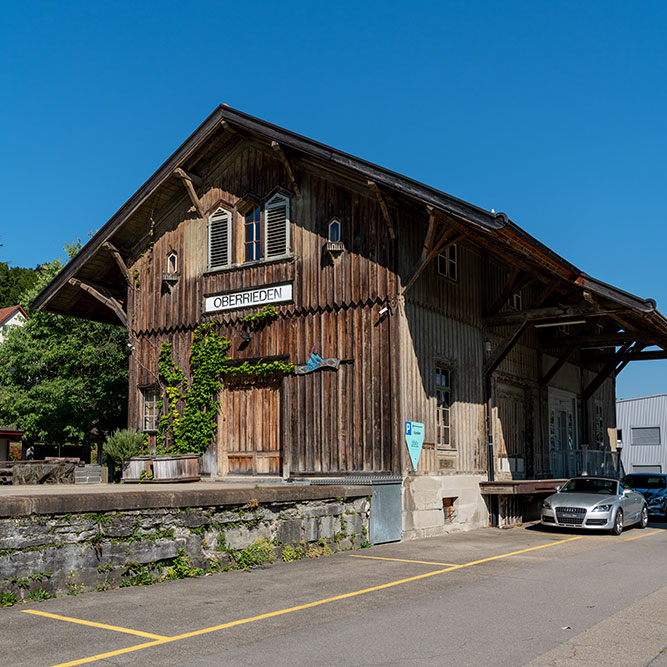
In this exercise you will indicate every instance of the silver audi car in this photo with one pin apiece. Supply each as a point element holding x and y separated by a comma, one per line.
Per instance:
<point>595,503</point>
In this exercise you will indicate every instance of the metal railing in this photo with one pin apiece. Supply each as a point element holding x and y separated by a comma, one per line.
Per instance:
<point>585,461</point>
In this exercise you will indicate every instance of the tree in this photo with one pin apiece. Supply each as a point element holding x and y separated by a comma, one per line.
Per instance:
<point>14,282</point>
<point>63,380</point>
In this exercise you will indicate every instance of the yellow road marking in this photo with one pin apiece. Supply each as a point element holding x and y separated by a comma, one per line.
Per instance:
<point>639,537</point>
<point>308,605</point>
<point>103,626</point>
<point>403,560</point>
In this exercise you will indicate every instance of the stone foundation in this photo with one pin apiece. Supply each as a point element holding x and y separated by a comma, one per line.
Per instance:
<point>72,553</point>
<point>440,504</point>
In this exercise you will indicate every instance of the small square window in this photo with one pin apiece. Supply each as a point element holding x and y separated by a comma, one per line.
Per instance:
<point>447,263</point>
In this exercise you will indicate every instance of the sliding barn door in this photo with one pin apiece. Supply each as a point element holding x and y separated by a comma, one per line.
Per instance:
<point>249,432</point>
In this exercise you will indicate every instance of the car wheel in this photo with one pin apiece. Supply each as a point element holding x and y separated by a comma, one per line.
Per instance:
<point>643,518</point>
<point>618,523</point>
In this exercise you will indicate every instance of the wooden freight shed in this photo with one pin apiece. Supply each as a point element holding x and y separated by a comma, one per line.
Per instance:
<point>395,301</point>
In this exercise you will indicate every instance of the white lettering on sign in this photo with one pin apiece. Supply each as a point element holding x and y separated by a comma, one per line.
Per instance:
<point>249,298</point>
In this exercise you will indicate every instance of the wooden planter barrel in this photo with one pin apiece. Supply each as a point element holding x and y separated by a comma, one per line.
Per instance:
<point>132,468</point>
<point>176,468</point>
<point>162,469</point>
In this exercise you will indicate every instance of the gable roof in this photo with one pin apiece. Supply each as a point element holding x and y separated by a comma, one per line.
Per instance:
<point>497,228</point>
<point>7,313</point>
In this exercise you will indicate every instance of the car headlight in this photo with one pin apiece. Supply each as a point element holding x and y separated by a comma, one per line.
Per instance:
<point>601,508</point>
<point>546,505</point>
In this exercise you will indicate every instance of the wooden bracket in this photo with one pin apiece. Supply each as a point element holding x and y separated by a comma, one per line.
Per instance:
<point>515,282</point>
<point>106,299</point>
<point>605,372</point>
<point>188,180</point>
<point>564,358</point>
<point>504,349</point>
<point>286,163</point>
<point>385,210</point>
<point>437,249</point>
<point>119,260</point>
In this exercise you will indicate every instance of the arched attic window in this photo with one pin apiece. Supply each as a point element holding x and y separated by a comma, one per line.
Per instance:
<point>333,235</point>
<point>276,226</point>
<point>172,262</point>
<point>219,239</point>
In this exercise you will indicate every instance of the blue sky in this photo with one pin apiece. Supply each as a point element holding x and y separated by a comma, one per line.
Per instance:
<point>553,112</point>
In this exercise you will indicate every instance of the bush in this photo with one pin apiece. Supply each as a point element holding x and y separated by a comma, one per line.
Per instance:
<point>123,444</point>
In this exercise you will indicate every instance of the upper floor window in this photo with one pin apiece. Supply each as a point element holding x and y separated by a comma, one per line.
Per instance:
<point>257,233</point>
<point>253,235</point>
<point>219,239</point>
<point>443,397</point>
<point>448,263</point>
<point>276,226</point>
<point>334,231</point>
<point>172,263</point>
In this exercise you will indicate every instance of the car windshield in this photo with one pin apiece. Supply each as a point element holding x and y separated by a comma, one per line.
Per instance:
<point>603,486</point>
<point>646,482</point>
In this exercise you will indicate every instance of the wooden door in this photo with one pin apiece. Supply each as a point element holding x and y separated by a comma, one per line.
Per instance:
<point>511,430</point>
<point>249,431</point>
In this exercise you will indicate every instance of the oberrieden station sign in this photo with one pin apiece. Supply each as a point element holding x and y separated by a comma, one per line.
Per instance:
<point>248,298</point>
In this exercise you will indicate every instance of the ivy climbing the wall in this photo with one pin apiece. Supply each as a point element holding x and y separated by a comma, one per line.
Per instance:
<point>188,425</point>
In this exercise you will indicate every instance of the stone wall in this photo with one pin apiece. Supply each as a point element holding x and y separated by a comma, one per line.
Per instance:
<point>426,515</point>
<point>72,553</point>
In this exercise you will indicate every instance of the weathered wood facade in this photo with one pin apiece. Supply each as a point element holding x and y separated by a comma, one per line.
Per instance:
<point>438,312</point>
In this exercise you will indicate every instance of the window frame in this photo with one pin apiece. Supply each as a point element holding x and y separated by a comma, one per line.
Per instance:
<point>274,202</point>
<point>449,262</point>
<point>443,432</point>
<point>157,404</point>
<point>227,214</point>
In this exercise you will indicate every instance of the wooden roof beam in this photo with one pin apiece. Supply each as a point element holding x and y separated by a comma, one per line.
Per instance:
<point>423,262</point>
<point>515,282</point>
<point>564,358</point>
<point>605,372</point>
<point>118,259</point>
<point>385,210</point>
<point>553,315</point>
<point>286,163</point>
<point>637,354</point>
<point>106,299</point>
<point>188,182</point>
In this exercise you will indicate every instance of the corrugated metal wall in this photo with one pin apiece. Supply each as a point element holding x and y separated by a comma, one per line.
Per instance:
<point>638,412</point>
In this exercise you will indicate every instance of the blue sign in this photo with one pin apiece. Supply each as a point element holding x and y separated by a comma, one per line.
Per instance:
<point>414,437</point>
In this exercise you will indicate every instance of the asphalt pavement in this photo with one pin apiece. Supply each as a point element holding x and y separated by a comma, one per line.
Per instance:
<point>523,596</point>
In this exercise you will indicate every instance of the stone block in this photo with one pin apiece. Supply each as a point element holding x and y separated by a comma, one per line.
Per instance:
<point>311,530</point>
<point>289,532</point>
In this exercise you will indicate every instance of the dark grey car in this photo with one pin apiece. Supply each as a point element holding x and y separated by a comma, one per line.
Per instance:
<point>595,503</point>
<point>653,486</point>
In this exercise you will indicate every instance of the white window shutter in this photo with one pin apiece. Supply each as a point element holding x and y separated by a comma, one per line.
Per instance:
<point>219,239</point>
<point>276,227</point>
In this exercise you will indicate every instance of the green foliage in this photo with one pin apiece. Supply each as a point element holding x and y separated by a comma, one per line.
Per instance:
<point>14,282</point>
<point>256,321</point>
<point>365,544</point>
<point>39,595</point>
<point>64,379</point>
<point>137,575</point>
<point>144,475</point>
<point>256,554</point>
<point>291,553</point>
<point>182,567</point>
<point>7,599</point>
<point>123,444</point>
<point>191,431</point>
